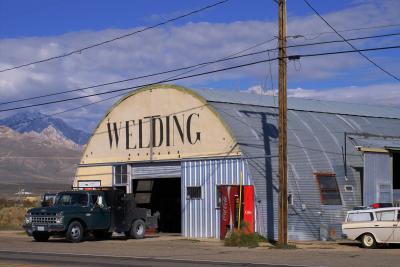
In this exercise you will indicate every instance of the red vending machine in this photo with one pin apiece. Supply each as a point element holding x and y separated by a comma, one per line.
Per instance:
<point>228,199</point>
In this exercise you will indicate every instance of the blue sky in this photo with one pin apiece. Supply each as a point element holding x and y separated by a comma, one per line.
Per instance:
<point>23,18</point>
<point>32,30</point>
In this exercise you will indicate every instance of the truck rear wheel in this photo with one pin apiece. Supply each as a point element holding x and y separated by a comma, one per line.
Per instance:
<point>138,229</point>
<point>75,232</point>
<point>41,237</point>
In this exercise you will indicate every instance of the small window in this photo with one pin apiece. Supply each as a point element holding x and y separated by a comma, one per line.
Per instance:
<point>193,192</point>
<point>142,190</point>
<point>348,188</point>
<point>329,190</point>
<point>360,217</point>
<point>121,174</point>
<point>387,215</point>
<point>290,199</point>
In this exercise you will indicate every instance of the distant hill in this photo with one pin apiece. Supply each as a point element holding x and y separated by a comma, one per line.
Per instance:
<point>36,161</point>
<point>25,122</point>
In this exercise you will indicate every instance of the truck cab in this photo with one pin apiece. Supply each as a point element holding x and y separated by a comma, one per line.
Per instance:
<point>75,213</point>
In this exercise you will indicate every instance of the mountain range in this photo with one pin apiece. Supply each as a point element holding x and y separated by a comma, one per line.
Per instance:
<point>38,155</point>
<point>25,122</point>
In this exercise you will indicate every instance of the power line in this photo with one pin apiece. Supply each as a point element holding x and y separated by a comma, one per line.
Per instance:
<point>352,46</point>
<point>318,34</point>
<point>119,95</point>
<point>231,57</point>
<point>80,50</point>
<point>204,73</point>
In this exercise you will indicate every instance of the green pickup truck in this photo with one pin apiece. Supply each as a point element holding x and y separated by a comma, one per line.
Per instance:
<point>76,213</point>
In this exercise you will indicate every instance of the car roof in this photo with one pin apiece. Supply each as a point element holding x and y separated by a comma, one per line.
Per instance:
<point>374,210</point>
<point>79,191</point>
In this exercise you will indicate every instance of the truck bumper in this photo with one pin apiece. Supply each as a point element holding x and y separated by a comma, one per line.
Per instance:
<point>52,228</point>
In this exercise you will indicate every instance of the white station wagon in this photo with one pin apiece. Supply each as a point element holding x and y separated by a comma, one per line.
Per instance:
<point>373,226</point>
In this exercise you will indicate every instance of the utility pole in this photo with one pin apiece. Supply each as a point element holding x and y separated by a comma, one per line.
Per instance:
<point>283,205</point>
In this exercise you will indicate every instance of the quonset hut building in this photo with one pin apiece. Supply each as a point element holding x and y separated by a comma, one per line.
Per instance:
<point>183,153</point>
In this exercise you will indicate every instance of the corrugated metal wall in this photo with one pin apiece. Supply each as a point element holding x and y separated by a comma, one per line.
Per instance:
<point>315,142</point>
<point>200,217</point>
<point>377,178</point>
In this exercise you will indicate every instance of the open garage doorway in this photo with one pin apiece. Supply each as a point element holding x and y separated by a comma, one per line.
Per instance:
<point>162,196</point>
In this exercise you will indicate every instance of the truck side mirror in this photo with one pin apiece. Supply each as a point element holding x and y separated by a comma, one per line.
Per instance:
<point>100,202</point>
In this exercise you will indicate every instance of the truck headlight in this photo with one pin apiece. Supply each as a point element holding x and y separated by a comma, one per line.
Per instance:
<point>28,219</point>
<point>59,218</point>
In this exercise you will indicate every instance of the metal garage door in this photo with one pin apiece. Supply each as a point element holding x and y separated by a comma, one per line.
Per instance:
<point>156,170</point>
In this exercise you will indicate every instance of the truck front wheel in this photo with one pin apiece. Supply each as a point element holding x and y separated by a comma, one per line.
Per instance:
<point>41,237</point>
<point>138,229</point>
<point>75,232</point>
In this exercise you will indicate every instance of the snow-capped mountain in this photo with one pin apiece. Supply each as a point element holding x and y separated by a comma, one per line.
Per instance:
<point>36,122</point>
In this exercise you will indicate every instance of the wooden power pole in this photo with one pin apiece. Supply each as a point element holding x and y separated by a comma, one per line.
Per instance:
<point>283,202</point>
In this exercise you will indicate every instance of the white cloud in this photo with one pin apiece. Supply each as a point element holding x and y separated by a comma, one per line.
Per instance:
<point>386,94</point>
<point>376,94</point>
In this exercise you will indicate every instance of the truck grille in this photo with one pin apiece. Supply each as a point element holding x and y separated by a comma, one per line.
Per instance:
<point>43,220</point>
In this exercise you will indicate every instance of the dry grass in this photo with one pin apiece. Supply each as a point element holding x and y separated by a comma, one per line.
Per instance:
<point>11,218</point>
<point>12,213</point>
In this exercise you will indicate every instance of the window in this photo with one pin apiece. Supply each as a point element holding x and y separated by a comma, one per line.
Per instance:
<point>328,188</point>
<point>120,174</point>
<point>387,215</point>
<point>290,198</point>
<point>142,191</point>
<point>360,217</point>
<point>348,188</point>
<point>72,199</point>
<point>193,192</point>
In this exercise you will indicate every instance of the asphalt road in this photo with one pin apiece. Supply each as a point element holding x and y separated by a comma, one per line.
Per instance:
<point>18,250</point>
<point>29,259</point>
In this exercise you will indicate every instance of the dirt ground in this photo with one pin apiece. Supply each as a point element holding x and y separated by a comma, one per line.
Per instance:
<point>342,253</point>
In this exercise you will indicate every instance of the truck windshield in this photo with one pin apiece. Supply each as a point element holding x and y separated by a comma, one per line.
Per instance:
<point>72,199</point>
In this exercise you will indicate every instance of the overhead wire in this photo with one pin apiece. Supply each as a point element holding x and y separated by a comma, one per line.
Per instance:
<point>290,57</point>
<point>350,44</point>
<point>231,57</point>
<point>80,50</point>
<point>192,68</point>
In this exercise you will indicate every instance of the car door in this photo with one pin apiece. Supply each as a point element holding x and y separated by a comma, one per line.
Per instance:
<point>99,216</point>
<point>383,226</point>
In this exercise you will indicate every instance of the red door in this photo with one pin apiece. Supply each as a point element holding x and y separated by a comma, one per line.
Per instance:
<point>229,208</point>
<point>228,198</point>
<point>248,207</point>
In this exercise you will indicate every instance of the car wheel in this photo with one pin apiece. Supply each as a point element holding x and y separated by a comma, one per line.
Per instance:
<point>138,229</point>
<point>41,237</point>
<point>368,241</point>
<point>75,232</point>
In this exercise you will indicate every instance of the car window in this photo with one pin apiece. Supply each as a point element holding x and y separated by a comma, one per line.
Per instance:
<point>93,198</point>
<point>360,217</point>
<point>72,199</point>
<point>387,215</point>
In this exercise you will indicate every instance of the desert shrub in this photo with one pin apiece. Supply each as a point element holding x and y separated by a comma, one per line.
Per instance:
<point>243,238</point>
